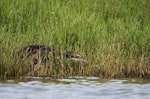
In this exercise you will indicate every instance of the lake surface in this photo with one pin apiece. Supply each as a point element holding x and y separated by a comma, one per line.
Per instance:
<point>74,88</point>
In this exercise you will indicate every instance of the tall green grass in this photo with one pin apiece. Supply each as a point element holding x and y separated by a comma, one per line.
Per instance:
<point>114,35</point>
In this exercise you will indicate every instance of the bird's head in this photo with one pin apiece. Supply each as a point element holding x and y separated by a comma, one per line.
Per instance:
<point>71,55</point>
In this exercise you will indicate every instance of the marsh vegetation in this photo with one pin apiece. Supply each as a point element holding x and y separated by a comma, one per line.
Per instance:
<point>113,35</point>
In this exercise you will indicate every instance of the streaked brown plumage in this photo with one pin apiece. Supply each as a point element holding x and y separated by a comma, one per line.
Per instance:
<point>39,54</point>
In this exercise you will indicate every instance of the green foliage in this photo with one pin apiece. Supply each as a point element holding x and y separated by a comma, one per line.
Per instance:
<point>109,32</point>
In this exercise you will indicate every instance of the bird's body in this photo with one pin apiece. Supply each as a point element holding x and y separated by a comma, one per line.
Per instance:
<point>34,54</point>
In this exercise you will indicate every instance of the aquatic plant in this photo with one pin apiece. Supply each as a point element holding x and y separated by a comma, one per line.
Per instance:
<point>113,35</point>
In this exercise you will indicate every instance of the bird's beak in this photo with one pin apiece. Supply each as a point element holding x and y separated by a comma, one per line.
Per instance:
<point>79,59</point>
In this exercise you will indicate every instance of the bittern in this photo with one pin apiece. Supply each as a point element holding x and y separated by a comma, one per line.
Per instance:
<point>39,54</point>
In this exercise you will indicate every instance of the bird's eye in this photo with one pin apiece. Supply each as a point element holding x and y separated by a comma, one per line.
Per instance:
<point>67,56</point>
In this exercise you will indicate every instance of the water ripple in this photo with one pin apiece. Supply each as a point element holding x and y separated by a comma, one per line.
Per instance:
<point>74,88</point>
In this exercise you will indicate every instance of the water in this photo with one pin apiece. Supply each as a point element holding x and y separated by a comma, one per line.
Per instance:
<point>74,88</point>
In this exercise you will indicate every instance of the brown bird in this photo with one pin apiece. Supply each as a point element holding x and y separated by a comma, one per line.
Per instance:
<point>39,54</point>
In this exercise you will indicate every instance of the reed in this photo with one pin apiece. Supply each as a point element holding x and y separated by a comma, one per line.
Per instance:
<point>114,35</point>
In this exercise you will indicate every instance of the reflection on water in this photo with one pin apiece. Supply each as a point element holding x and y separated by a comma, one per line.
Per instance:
<point>74,88</point>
